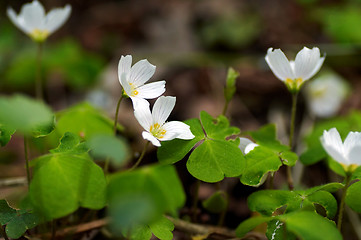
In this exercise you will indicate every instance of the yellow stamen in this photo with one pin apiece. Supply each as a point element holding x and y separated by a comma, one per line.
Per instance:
<point>157,131</point>
<point>349,168</point>
<point>39,35</point>
<point>294,84</point>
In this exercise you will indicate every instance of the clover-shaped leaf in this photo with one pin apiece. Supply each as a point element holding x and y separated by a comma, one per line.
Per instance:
<point>142,196</point>
<point>26,115</point>
<point>17,221</point>
<point>216,154</point>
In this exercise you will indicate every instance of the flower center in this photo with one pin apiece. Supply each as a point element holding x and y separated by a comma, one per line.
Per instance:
<point>157,131</point>
<point>317,93</point>
<point>133,90</point>
<point>294,84</point>
<point>349,168</point>
<point>39,35</point>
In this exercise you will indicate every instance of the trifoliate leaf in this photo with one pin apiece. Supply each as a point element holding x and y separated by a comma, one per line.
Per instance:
<point>75,179</point>
<point>17,221</point>
<point>215,159</point>
<point>142,196</point>
<point>70,143</point>
<point>26,115</point>
<point>162,228</point>
<point>216,203</point>
<point>108,146</point>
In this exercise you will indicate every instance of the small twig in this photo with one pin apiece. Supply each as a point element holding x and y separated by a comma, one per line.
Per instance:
<point>13,182</point>
<point>77,229</point>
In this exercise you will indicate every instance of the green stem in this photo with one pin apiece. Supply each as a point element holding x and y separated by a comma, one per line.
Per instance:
<point>222,215</point>
<point>116,115</point>
<point>290,140</point>
<point>271,181</point>
<point>38,81</point>
<point>53,229</point>
<point>3,233</point>
<point>195,201</point>
<point>106,164</point>
<point>27,160</point>
<point>225,108</point>
<point>342,204</point>
<point>140,158</point>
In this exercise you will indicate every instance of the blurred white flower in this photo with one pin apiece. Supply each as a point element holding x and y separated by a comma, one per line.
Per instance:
<point>294,73</point>
<point>348,154</point>
<point>325,95</point>
<point>246,145</point>
<point>33,21</point>
<point>156,129</point>
<point>133,79</point>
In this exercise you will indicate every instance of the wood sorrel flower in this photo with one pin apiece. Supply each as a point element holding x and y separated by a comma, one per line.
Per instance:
<point>246,145</point>
<point>348,154</point>
<point>325,95</point>
<point>294,73</point>
<point>156,129</point>
<point>33,21</point>
<point>133,79</point>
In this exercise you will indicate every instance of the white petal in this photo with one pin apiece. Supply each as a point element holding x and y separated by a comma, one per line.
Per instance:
<point>250,147</point>
<point>141,72</point>
<point>151,90</point>
<point>352,146</point>
<point>125,84</point>
<point>139,101</point>
<point>162,109</point>
<point>307,63</point>
<point>15,19</point>
<point>56,18</point>
<point>142,114</point>
<point>279,64</point>
<point>33,15</point>
<point>332,143</point>
<point>124,66</point>
<point>243,142</point>
<point>176,129</point>
<point>151,138</point>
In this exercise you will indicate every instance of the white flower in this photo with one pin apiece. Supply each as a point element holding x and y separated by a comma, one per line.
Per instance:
<point>132,79</point>
<point>325,95</point>
<point>246,145</point>
<point>156,129</point>
<point>293,73</point>
<point>33,21</point>
<point>348,154</point>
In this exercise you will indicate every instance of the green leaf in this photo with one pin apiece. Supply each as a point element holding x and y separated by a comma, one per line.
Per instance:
<point>75,179</point>
<point>108,146</point>
<point>162,228</point>
<point>215,159</point>
<point>230,88</point>
<point>141,232</point>
<point>26,115</point>
<point>5,135</point>
<point>173,151</point>
<point>250,224</point>
<point>84,121</point>
<point>70,143</point>
<point>217,128</point>
<point>309,226</point>
<point>326,200</point>
<point>304,224</point>
<point>353,197</point>
<point>288,158</point>
<point>276,231</point>
<point>260,161</point>
<point>17,221</point>
<point>216,203</point>
<point>329,187</point>
<point>142,196</point>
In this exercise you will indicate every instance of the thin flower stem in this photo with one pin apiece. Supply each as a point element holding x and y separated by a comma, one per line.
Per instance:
<point>290,140</point>
<point>342,204</point>
<point>106,164</point>
<point>38,81</point>
<point>140,158</point>
<point>195,201</point>
<point>27,160</point>
<point>116,115</point>
<point>225,108</point>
